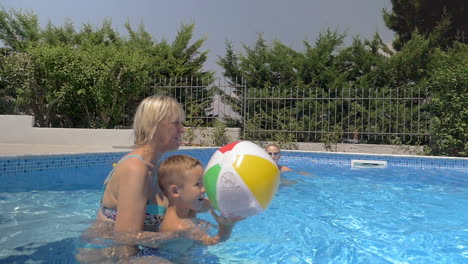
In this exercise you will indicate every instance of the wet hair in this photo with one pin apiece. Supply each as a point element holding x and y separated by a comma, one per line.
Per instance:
<point>149,115</point>
<point>173,170</point>
<point>272,145</point>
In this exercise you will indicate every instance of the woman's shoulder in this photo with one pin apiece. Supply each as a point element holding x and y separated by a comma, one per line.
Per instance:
<point>132,168</point>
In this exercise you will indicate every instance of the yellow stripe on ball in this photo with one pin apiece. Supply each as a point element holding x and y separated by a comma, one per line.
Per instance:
<point>260,175</point>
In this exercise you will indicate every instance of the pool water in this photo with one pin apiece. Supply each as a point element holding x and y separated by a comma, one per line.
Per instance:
<point>335,215</point>
<point>343,215</point>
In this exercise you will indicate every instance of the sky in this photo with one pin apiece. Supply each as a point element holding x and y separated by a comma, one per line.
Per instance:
<point>237,21</point>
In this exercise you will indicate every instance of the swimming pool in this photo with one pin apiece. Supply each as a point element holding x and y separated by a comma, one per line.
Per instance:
<point>413,211</point>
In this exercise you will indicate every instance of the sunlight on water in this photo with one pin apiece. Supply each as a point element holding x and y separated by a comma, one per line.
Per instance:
<point>337,215</point>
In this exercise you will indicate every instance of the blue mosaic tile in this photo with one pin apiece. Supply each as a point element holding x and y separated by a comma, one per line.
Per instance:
<point>28,164</point>
<point>344,159</point>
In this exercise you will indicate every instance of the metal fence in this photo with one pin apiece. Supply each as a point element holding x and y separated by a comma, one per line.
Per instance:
<point>204,100</point>
<point>307,114</point>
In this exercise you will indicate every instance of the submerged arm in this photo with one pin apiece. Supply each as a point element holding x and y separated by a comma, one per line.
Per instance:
<point>146,238</point>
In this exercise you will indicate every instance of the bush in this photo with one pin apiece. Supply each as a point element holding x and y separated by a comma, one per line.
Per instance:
<point>449,83</point>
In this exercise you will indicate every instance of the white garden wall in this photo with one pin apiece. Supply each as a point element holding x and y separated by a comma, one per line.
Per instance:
<point>18,129</point>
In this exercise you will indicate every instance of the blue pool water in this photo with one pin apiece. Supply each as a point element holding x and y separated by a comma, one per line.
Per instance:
<point>414,211</point>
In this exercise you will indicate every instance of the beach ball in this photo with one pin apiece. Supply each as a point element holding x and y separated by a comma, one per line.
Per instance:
<point>241,179</point>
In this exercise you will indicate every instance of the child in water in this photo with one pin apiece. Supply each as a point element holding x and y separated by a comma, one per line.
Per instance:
<point>181,179</point>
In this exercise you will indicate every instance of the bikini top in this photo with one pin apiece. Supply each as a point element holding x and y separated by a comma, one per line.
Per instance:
<point>154,212</point>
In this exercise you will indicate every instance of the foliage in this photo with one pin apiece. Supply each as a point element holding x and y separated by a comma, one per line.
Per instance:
<point>449,82</point>
<point>92,77</point>
<point>17,77</point>
<point>220,138</point>
<point>193,123</point>
<point>18,29</point>
<point>290,91</point>
<point>191,126</point>
<point>426,16</point>
<point>328,93</point>
<point>330,140</point>
<point>251,125</point>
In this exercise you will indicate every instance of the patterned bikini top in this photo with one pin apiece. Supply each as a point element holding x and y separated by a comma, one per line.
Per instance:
<point>154,212</point>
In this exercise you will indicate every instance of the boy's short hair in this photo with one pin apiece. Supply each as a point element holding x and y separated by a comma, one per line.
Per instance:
<point>173,169</point>
<point>149,114</point>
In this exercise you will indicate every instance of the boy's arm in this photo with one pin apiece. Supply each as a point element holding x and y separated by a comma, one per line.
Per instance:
<point>224,231</point>
<point>206,206</point>
<point>198,231</point>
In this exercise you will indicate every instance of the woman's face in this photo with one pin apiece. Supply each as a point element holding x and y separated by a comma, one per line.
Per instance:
<point>168,136</point>
<point>274,152</point>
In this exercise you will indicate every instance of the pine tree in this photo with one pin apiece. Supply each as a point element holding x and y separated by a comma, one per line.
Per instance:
<point>423,16</point>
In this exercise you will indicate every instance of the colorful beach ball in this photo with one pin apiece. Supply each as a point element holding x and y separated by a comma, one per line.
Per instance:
<point>241,179</point>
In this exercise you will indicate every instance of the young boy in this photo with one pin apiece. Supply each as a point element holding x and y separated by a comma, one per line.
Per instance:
<point>181,179</point>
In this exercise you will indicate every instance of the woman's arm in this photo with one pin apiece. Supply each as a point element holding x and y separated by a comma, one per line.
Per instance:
<point>147,238</point>
<point>104,231</point>
<point>131,197</point>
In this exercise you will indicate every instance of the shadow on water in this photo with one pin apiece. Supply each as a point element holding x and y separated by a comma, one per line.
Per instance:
<point>60,252</point>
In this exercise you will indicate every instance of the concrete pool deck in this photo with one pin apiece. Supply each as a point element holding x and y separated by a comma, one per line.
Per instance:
<point>42,149</point>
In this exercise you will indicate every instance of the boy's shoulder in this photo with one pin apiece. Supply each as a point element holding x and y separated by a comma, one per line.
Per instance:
<point>172,223</point>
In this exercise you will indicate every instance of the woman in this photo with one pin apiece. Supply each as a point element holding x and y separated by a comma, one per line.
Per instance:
<point>132,204</point>
<point>274,151</point>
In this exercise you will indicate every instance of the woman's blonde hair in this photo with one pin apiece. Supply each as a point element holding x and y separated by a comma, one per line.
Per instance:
<point>149,114</point>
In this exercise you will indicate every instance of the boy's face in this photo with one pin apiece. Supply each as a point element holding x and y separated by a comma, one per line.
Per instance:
<point>193,192</point>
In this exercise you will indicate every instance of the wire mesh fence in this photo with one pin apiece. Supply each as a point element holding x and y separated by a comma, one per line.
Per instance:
<point>204,100</point>
<point>306,114</point>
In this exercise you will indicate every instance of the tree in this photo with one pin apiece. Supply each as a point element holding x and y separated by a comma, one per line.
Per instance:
<point>93,77</point>
<point>423,16</point>
<point>327,89</point>
<point>17,29</point>
<point>449,83</point>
